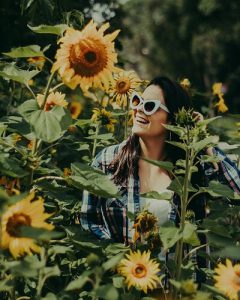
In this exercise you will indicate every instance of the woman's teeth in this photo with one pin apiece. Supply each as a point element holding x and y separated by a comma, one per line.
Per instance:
<point>142,121</point>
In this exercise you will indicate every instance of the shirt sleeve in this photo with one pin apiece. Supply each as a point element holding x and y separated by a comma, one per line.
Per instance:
<point>91,216</point>
<point>228,172</point>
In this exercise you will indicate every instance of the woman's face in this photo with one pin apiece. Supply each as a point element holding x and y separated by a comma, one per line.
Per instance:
<point>150,126</point>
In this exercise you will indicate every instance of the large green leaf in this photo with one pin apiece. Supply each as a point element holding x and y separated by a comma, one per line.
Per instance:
<point>169,235</point>
<point>86,178</point>
<point>190,234</point>
<point>216,189</point>
<point>166,165</point>
<point>180,131</point>
<point>11,71</point>
<point>80,281</point>
<point>55,29</point>
<point>207,142</point>
<point>47,125</point>
<point>28,51</point>
<point>28,267</point>
<point>11,166</point>
<point>178,144</point>
<point>40,233</point>
<point>228,252</point>
<point>113,261</point>
<point>155,195</point>
<point>177,185</point>
<point>108,292</point>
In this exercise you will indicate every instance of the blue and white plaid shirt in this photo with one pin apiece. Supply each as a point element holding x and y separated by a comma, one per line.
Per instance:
<point>107,218</point>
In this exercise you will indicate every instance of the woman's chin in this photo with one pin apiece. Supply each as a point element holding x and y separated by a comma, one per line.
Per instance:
<point>139,130</point>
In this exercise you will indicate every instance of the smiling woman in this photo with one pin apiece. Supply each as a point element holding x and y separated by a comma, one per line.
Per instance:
<point>127,167</point>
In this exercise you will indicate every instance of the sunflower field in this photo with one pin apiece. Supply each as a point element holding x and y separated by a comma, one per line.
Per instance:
<point>59,112</point>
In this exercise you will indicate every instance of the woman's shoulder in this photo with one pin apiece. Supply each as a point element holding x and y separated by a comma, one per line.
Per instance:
<point>106,155</point>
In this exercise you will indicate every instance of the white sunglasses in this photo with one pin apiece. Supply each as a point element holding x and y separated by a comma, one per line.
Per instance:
<point>149,106</point>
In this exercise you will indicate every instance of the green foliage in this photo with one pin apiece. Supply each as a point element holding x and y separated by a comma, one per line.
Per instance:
<point>11,71</point>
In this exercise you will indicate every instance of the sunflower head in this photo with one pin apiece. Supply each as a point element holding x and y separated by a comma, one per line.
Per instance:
<point>125,82</point>
<point>228,279</point>
<point>37,61</point>
<point>221,106</point>
<point>27,212</point>
<point>75,109</point>
<point>145,223</point>
<point>217,88</point>
<point>87,57</point>
<point>185,83</point>
<point>11,186</point>
<point>139,270</point>
<point>53,99</point>
<point>104,117</point>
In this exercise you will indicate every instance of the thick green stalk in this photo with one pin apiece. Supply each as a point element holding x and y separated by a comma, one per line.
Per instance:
<point>95,141</point>
<point>184,202</point>
<point>47,89</point>
<point>126,121</point>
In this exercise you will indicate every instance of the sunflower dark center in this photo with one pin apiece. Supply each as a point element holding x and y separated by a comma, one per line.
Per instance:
<point>123,86</point>
<point>139,271</point>
<point>15,222</point>
<point>105,120</point>
<point>90,56</point>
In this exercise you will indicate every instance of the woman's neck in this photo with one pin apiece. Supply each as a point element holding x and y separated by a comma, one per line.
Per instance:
<point>153,148</point>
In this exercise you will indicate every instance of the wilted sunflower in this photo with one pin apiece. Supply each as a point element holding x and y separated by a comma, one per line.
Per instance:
<point>125,82</point>
<point>228,279</point>
<point>104,118</point>
<point>37,61</point>
<point>52,100</point>
<point>75,108</point>
<point>217,88</point>
<point>145,223</point>
<point>221,106</point>
<point>139,270</point>
<point>24,213</point>
<point>185,83</point>
<point>12,187</point>
<point>217,91</point>
<point>87,57</point>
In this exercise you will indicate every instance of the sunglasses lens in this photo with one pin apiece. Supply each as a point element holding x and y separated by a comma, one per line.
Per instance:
<point>149,106</point>
<point>135,101</point>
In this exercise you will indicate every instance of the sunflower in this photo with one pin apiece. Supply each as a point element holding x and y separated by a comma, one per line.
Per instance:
<point>139,270</point>
<point>52,100</point>
<point>185,83</point>
<point>75,108</point>
<point>228,279</point>
<point>145,223</point>
<point>217,91</point>
<point>221,106</point>
<point>217,88</point>
<point>125,82</point>
<point>87,57</point>
<point>104,118</point>
<point>12,187</point>
<point>24,213</point>
<point>37,61</point>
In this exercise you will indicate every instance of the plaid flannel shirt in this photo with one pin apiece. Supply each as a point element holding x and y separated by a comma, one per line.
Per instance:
<point>107,218</point>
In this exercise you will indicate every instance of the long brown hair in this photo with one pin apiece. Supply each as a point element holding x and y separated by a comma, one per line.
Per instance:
<point>126,162</point>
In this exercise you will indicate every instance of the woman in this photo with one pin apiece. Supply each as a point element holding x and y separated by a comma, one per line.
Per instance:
<point>107,218</point>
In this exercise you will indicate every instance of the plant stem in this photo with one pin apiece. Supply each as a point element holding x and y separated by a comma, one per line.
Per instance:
<point>31,91</point>
<point>47,89</point>
<point>184,202</point>
<point>95,140</point>
<point>41,279</point>
<point>56,87</point>
<point>49,178</point>
<point>126,121</point>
